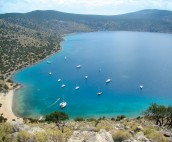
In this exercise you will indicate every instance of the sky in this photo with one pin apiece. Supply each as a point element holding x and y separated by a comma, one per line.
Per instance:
<point>98,7</point>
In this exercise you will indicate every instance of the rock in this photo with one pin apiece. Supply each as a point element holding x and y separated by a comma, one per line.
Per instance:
<point>75,127</point>
<point>140,137</point>
<point>88,129</point>
<point>102,136</point>
<point>139,128</point>
<point>18,126</point>
<point>132,133</point>
<point>130,140</point>
<point>35,129</point>
<point>118,126</point>
<point>88,136</point>
<point>80,136</point>
<point>167,133</point>
<point>127,127</point>
<point>13,136</point>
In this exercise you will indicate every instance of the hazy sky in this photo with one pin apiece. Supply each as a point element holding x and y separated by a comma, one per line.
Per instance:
<point>103,7</point>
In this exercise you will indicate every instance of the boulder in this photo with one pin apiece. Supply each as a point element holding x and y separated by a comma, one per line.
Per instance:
<point>140,137</point>
<point>102,136</point>
<point>118,126</point>
<point>88,136</point>
<point>167,133</point>
<point>18,126</point>
<point>139,128</point>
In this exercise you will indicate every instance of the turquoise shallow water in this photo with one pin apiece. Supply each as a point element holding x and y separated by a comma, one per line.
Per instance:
<point>128,58</point>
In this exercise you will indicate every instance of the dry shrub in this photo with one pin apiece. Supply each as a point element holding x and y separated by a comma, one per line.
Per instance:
<point>120,136</point>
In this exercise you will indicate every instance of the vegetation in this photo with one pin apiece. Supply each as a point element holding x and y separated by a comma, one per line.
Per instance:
<point>162,115</point>
<point>2,118</point>
<point>79,119</point>
<point>120,136</point>
<point>5,131</point>
<point>59,130</point>
<point>120,117</point>
<point>154,135</point>
<point>58,118</point>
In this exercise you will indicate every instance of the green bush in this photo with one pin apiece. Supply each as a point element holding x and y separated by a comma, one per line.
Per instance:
<point>56,116</point>
<point>91,119</point>
<point>120,117</point>
<point>79,119</point>
<point>161,114</point>
<point>113,119</point>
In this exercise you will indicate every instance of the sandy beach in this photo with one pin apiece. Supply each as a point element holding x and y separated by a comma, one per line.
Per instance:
<point>6,108</point>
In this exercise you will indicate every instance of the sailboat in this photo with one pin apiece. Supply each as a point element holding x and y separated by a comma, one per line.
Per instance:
<point>78,66</point>
<point>77,87</point>
<point>108,80</point>
<point>48,62</point>
<point>141,87</point>
<point>99,93</point>
<point>86,77</point>
<point>63,104</point>
<point>63,85</point>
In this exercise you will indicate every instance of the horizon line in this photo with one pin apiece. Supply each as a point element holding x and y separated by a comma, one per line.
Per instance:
<point>85,14</point>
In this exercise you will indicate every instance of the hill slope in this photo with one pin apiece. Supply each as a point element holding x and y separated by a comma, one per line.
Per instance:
<point>27,38</point>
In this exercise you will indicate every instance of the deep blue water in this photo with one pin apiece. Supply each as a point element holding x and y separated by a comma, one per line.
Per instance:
<point>128,58</point>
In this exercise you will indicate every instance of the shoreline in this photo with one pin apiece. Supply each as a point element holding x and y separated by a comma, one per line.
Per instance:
<point>6,108</point>
<point>7,99</point>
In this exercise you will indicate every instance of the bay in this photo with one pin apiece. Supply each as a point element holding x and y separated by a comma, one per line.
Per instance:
<point>130,59</point>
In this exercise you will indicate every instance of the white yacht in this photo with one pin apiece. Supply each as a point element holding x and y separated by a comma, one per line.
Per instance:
<point>108,80</point>
<point>63,85</point>
<point>86,77</point>
<point>63,104</point>
<point>50,73</point>
<point>78,66</point>
<point>59,80</point>
<point>77,87</point>
<point>141,87</point>
<point>48,62</point>
<point>99,93</point>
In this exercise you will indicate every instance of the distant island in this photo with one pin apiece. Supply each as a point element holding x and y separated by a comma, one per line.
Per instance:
<point>30,37</point>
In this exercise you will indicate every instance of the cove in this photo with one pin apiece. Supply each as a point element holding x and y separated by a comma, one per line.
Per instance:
<point>129,59</point>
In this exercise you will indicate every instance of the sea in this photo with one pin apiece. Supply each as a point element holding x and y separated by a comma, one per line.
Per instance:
<point>129,59</point>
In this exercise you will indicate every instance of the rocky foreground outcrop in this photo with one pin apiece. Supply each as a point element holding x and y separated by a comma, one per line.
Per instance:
<point>90,136</point>
<point>127,130</point>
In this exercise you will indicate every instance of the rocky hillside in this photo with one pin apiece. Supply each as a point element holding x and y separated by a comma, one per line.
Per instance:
<point>30,37</point>
<point>126,130</point>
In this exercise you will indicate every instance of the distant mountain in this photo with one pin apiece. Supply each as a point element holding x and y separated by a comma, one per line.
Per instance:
<point>145,20</point>
<point>29,37</point>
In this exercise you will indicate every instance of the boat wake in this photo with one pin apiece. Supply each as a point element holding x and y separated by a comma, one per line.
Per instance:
<point>54,102</point>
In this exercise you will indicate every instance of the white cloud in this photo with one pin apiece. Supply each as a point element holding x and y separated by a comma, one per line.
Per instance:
<point>111,7</point>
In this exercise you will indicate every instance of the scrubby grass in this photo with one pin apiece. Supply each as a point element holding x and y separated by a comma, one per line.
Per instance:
<point>24,136</point>
<point>120,136</point>
<point>155,135</point>
<point>5,131</point>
